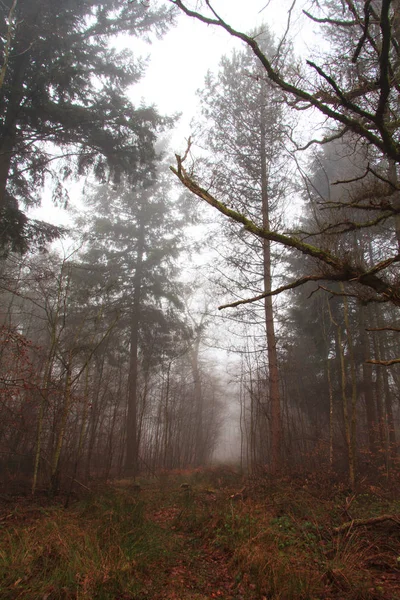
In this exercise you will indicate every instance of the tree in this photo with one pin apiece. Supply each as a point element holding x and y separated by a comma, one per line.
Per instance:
<point>135,237</point>
<point>64,95</point>
<point>244,121</point>
<point>359,100</point>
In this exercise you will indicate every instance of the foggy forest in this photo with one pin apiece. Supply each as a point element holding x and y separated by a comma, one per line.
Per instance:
<point>200,359</point>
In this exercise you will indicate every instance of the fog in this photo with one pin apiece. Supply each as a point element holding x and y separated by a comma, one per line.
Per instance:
<point>239,307</point>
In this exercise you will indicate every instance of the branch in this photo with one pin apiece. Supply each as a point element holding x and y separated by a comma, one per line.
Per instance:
<point>326,20</point>
<point>383,139</point>
<point>370,521</point>
<point>384,363</point>
<point>346,103</point>
<point>364,36</point>
<point>384,78</point>
<point>343,271</point>
<point>342,294</point>
<point>325,140</point>
<point>397,329</point>
<point>283,288</point>
<point>347,226</point>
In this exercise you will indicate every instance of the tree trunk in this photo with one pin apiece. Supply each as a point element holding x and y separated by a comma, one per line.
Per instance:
<point>198,399</point>
<point>132,450</point>
<point>273,372</point>
<point>55,463</point>
<point>353,376</point>
<point>368,385</point>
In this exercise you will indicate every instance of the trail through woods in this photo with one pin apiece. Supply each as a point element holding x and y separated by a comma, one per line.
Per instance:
<point>203,534</point>
<point>201,571</point>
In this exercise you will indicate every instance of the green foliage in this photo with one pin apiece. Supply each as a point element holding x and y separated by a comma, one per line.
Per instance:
<point>135,235</point>
<point>64,95</point>
<point>102,547</point>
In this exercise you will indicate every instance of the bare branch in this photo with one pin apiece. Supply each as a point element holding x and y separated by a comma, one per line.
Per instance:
<point>369,521</point>
<point>325,140</point>
<point>369,126</point>
<point>326,20</point>
<point>342,270</point>
<point>283,288</point>
<point>353,179</point>
<point>397,329</point>
<point>282,41</point>
<point>367,13</point>
<point>384,363</point>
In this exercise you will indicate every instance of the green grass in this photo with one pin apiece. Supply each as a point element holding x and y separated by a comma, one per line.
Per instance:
<point>102,547</point>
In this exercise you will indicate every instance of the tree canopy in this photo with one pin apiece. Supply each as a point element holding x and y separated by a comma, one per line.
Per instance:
<point>64,94</point>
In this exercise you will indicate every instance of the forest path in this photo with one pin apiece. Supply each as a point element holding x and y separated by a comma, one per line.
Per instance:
<point>200,571</point>
<point>197,565</point>
<point>201,535</point>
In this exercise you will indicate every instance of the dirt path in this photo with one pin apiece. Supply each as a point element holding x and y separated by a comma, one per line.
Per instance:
<point>200,570</point>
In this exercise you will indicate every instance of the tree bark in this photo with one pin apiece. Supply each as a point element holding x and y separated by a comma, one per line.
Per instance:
<point>132,450</point>
<point>368,385</point>
<point>273,371</point>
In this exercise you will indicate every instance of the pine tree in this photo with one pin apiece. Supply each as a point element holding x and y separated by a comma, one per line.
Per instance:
<point>64,94</point>
<point>135,239</point>
<point>243,116</point>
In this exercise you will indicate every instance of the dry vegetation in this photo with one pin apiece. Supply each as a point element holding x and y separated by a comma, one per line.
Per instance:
<point>202,534</point>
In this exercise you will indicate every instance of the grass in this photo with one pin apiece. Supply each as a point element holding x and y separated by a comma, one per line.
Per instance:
<point>275,541</point>
<point>101,548</point>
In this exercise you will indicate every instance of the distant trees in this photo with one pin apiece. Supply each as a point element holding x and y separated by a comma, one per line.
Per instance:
<point>101,371</point>
<point>135,235</point>
<point>63,94</point>
<point>349,246</point>
<point>243,116</point>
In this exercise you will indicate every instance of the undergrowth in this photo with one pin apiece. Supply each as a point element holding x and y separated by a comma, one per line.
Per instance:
<point>272,540</point>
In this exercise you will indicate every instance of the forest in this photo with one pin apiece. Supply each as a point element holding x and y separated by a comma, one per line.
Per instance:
<point>200,372</point>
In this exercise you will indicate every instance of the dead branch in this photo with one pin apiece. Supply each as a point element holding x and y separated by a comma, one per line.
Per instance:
<point>283,288</point>
<point>365,522</point>
<point>383,329</point>
<point>384,363</point>
<point>328,21</point>
<point>341,271</point>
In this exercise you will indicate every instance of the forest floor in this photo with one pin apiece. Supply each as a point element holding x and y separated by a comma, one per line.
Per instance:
<point>200,535</point>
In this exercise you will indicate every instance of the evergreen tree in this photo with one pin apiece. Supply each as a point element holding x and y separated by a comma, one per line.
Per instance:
<point>136,235</point>
<point>63,93</point>
<point>245,134</point>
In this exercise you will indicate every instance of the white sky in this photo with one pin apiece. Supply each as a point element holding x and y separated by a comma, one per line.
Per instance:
<point>179,62</point>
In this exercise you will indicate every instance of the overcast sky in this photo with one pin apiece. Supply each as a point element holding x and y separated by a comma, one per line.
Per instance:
<point>179,62</point>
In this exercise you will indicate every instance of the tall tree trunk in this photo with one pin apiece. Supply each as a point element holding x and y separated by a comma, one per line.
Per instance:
<point>198,399</point>
<point>353,377</point>
<point>348,425</point>
<point>330,386</point>
<point>55,463</point>
<point>167,423</point>
<point>273,372</point>
<point>132,450</point>
<point>368,385</point>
